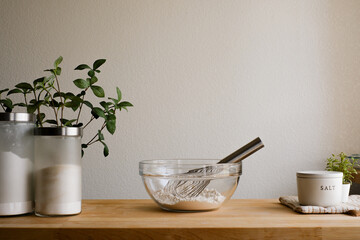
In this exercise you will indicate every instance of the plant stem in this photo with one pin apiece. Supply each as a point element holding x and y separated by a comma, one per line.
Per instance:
<point>82,102</point>
<point>90,142</point>
<point>93,142</point>
<point>53,107</point>
<point>38,110</point>
<point>92,118</point>
<point>2,104</point>
<point>61,99</point>
<point>78,116</point>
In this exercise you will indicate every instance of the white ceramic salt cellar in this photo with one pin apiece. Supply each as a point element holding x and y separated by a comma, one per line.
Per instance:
<point>319,188</point>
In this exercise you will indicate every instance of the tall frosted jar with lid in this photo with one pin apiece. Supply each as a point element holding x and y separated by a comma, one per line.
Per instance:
<point>16,163</point>
<point>57,171</point>
<point>319,188</point>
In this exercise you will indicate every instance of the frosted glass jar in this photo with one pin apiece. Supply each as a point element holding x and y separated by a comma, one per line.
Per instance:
<point>319,188</point>
<point>57,171</point>
<point>16,163</point>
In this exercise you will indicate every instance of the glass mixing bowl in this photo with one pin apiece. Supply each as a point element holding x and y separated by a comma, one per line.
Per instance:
<point>175,186</point>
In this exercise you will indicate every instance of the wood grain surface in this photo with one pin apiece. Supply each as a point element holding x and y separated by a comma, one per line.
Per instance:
<point>142,219</point>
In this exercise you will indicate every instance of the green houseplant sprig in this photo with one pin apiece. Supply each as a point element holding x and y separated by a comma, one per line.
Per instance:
<point>342,164</point>
<point>45,93</point>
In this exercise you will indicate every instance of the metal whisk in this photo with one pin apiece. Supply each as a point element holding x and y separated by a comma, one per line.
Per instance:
<point>190,188</point>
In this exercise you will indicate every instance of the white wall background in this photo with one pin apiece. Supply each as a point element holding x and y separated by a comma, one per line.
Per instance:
<point>205,78</point>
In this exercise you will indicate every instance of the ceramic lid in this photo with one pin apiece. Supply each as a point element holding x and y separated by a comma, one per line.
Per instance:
<point>319,174</point>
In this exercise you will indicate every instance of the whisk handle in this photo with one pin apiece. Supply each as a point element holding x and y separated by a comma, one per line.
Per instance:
<point>244,151</point>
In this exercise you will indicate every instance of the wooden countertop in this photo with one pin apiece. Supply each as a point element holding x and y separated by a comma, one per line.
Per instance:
<point>142,219</point>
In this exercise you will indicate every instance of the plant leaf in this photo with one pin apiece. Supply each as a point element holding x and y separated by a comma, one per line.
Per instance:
<point>105,105</point>
<point>69,123</point>
<point>82,67</point>
<point>87,103</point>
<point>124,105</point>
<point>4,90</point>
<point>75,98</point>
<point>39,80</point>
<point>94,114</point>
<point>111,126</point>
<point>106,149</point>
<point>58,61</point>
<point>118,94</point>
<point>31,108</point>
<point>98,63</point>
<point>49,80</point>
<point>58,71</point>
<point>91,73</point>
<point>51,70</point>
<point>74,105</point>
<point>68,95</point>
<point>51,121</point>
<point>93,80</point>
<point>20,104</point>
<point>81,83</point>
<point>7,102</point>
<point>24,85</point>
<point>54,103</point>
<point>64,120</point>
<point>41,116</point>
<point>114,100</point>
<point>16,90</point>
<point>101,136</point>
<point>99,112</point>
<point>98,91</point>
<point>111,117</point>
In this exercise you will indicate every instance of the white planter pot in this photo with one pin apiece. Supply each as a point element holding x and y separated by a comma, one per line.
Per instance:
<point>345,192</point>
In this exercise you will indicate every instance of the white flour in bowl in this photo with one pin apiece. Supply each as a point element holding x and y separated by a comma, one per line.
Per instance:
<point>208,199</point>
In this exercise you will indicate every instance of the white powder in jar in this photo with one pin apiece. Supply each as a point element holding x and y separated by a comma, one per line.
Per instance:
<point>58,190</point>
<point>15,184</point>
<point>209,199</point>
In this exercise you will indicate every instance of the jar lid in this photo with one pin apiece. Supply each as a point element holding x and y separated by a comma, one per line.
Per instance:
<point>355,156</point>
<point>59,131</point>
<point>17,117</point>
<point>319,174</point>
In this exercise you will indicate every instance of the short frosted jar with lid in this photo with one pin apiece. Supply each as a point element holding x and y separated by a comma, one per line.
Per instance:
<point>57,171</point>
<point>319,188</point>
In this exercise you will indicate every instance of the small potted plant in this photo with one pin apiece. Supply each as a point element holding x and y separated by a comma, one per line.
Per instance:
<point>58,146</point>
<point>345,165</point>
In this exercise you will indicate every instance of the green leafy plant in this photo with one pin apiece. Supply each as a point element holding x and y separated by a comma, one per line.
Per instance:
<point>342,164</point>
<point>6,104</point>
<point>45,93</point>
